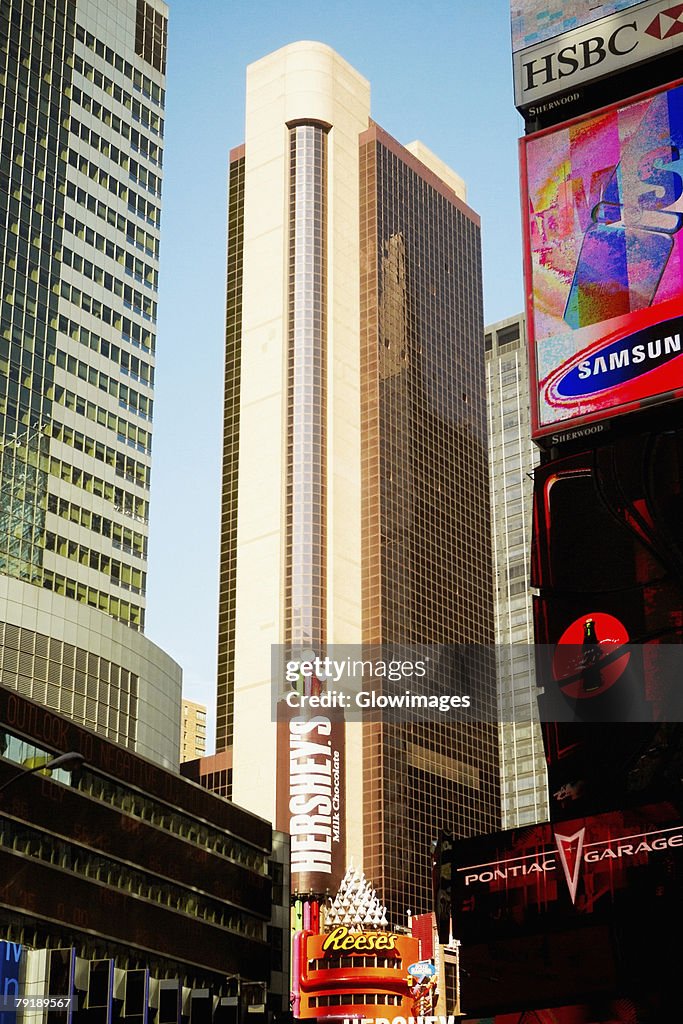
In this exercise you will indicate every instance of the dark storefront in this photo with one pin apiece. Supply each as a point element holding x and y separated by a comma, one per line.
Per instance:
<point>144,882</point>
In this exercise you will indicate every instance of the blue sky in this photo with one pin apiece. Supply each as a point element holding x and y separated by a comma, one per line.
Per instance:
<point>440,72</point>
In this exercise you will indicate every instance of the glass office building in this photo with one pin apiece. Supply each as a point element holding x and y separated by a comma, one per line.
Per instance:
<point>426,553</point>
<point>512,457</point>
<point>80,188</point>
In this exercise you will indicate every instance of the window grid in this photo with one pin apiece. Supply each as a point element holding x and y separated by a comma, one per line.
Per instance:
<point>93,691</point>
<point>426,543</point>
<point>225,676</point>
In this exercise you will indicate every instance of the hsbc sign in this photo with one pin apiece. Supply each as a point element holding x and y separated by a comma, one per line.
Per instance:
<point>603,47</point>
<point>570,855</point>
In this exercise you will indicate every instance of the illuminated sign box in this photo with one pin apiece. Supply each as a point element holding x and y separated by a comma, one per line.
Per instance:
<point>603,211</point>
<point>571,872</point>
<point>354,974</point>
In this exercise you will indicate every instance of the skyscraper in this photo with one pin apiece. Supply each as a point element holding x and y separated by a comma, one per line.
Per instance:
<point>512,459</point>
<point>80,189</point>
<point>355,480</point>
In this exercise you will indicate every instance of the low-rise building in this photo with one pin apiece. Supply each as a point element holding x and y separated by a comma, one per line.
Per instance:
<point>125,878</point>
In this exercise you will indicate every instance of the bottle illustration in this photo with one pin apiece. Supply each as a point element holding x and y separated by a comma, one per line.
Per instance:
<point>590,658</point>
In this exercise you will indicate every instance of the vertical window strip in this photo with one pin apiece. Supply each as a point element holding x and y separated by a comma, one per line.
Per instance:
<point>307,338</point>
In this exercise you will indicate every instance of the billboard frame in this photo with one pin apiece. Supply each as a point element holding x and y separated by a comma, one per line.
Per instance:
<point>552,433</point>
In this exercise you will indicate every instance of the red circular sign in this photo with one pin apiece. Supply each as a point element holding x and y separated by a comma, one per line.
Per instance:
<point>572,657</point>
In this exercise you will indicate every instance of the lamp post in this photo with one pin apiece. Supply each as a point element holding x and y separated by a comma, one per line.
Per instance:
<point>452,953</point>
<point>72,759</point>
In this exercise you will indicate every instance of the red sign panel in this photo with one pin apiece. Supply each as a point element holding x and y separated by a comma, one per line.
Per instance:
<point>566,908</point>
<point>611,1011</point>
<point>556,869</point>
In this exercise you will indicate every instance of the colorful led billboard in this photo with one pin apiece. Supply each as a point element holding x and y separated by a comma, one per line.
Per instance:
<point>10,967</point>
<point>603,211</point>
<point>592,767</point>
<point>559,49</point>
<point>534,21</point>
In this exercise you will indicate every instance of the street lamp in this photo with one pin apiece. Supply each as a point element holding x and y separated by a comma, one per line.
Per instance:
<point>72,759</point>
<point>453,948</point>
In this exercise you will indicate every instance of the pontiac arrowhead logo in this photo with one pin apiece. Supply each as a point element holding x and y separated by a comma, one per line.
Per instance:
<point>569,849</point>
<point>667,23</point>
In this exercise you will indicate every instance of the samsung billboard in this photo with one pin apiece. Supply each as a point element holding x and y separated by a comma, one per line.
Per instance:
<point>603,209</point>
<point>556,51</point>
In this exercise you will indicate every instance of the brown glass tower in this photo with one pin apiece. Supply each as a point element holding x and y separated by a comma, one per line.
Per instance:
<point>355,487</point>
<point>426,534</point>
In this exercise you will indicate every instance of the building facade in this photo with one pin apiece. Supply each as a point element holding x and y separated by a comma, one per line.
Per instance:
<point>122,877</point>
<point>512,457</point>
<point>213,771</point>
<point>80,190</point>
<point>355,478</point>
<point>603,876</point>
<point>193,730</point>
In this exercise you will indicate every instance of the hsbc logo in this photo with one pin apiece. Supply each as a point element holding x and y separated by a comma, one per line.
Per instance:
<point>667,24</point>
<point>598,49</point>
<point>571,854</point>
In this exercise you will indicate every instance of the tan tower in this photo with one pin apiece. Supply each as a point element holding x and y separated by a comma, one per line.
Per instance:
<point>355,486</point>
<point>192,731</point>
